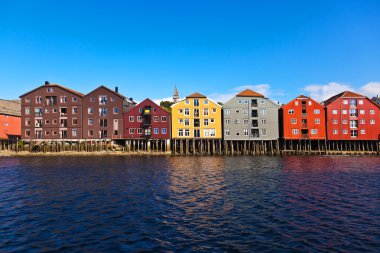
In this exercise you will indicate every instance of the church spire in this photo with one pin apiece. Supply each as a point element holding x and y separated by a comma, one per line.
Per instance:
<point>175,94</point>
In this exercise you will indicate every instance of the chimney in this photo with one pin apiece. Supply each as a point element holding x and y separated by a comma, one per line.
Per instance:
<point>47,83</point>
<point>117,89</point>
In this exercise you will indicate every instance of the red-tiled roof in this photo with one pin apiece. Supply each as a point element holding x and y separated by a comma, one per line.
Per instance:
<point>196,95</point>
<point>249,93</point>
<point>303,97</point>
<point>344,94</point>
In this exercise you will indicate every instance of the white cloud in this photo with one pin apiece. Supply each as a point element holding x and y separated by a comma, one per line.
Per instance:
<point>371,89</point>
<point>321,92</point>
<point>224,97</point>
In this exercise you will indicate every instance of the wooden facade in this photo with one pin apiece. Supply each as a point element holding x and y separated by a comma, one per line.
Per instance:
<point>10,120</point>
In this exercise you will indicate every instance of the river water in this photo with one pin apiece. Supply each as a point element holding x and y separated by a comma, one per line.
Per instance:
<point>187,204</point>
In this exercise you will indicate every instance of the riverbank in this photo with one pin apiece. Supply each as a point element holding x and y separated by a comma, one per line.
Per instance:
<point>5,153</point>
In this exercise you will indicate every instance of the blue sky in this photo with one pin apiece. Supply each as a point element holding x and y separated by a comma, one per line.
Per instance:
<point>280,48</point>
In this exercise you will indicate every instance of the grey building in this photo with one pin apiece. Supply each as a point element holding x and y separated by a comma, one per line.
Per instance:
<point>250,116</point>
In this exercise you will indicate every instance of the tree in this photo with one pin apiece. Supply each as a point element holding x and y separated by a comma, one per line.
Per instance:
<point>166,105</point>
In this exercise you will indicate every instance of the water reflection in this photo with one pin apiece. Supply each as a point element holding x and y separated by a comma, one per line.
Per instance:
<point>190,204</point>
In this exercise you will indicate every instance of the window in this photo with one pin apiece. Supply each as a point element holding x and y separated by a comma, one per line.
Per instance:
<point>360,102</point>
<point>205,122</point>
<point>237,111</point>
<point>187,111</point>
<point>314,131</point>
<point>131,118</point>
<point>50,90</point>
<point>75,110</point>
<point>75,121</point>
<point>27,122</point>
<point>362,131</point>
<point>112,99</point>
<point>345,131</point>
<point>335,131</point>
<point>115,110</point>
<point>227,132</point>
<point>344,121</point>
<point>344,111</point>
<point>263,121</point>
<point>294,121</point>
<point>245,122</point>
<point>140,110</point>
<point>237,121</point>
<point>180,132</point>
<point>317,111</point>
<point>187,102</point>
<point>264,132</point>
<point>47,132</point>
<point>180,111</point>
<point>205,102</point>
<point>334,111</point>
<point>371,111</point>
<point>263,111</point>
<point>246,132</point>
<point>27,100</point>
<point>310,103</point>
<point>362,111</point>
<point>240,101</point>
<point>353,102</point>
<point>139,130</point>
<point>131,130</point>
<point>75,99</point>
<point>227,121</point>
<point>63,99</point>
<point>92,99</point>
<point>196,102</point>
<point>353,112</point>
<point>27,133</point>
<point>90,110</point>
<point>163,130</point>
<point>212,120</point>
<point>75,132</point>
<point>205,112</point>
<point>103,111</point>
<point>55,121</point>
<point>155,118</point>
<point>372,121</point>
<point>362,121</point>
<point>196,112</point>
<point>317,121</point>
<point>345,102</point>
<point>245,111</point>
<point>354,133</point>
<point>227,111</point>
<point>262,102</point>
<point>163,118</point>
<point>27,111</point>
<point>103,100</point>
<point>90,122</point>
<point>180,121</point>
<point>213,110</point>
<point>295,131</point>
<point>187,122</point>
<point>156,131</point>
<point>187,132</point>
<point>335,121</point>
<point>38,100</point>
<point>291,111</point>
<point>296,103</point>
<point>139,118</point>
<point>246,101</point>
<point>5,123</point>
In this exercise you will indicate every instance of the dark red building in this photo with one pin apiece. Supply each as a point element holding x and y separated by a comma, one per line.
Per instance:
<point>147,121</point>
<point>302,118</point>
<point>51,111</point>
<point>351,116</point>
<point>103,111</point>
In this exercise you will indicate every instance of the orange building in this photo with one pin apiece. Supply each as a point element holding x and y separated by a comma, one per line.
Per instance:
<point>303,118</point>
<point>10,120</point>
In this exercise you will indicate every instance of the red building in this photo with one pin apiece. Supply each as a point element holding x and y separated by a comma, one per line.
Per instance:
<point>103,111</point>
<point>351,116</point>
<point>51,111</point>
<point>147,121</point>
<point>302,118</point>
<point>10,120</point>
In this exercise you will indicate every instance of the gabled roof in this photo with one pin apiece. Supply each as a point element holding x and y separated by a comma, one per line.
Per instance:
<point>10,107</point>
<point>344,94</point>
<point>196,95</point>
<point>54,85</point>
<point>302,97</point>
<point>249,93</point>
<point>108,89</point>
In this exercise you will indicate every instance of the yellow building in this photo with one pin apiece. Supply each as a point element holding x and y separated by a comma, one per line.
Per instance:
<point>196,117</point>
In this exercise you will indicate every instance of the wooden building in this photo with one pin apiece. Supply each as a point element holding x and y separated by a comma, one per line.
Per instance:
<point>302,118</point>
<point>10,120</point>
<point>196,125</point>
<point>351,116</point>
<point>103,114</point>
<point>51,112</point>
<point>147,126</point>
